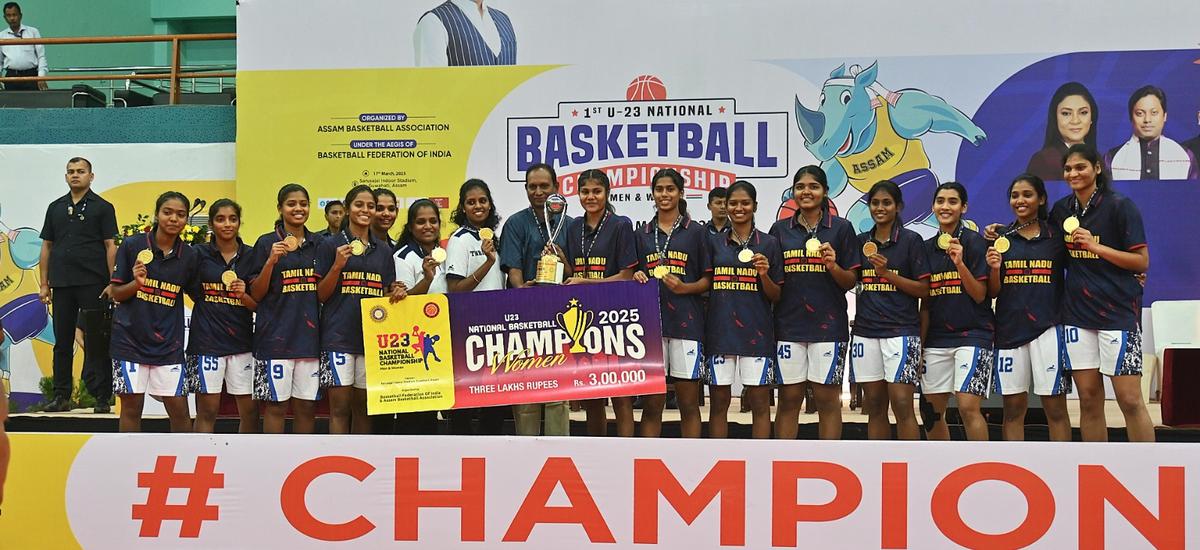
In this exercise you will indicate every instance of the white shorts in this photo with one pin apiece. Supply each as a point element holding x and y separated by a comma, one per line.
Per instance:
<point>281,379</point>
<point>896,360</point>
<point>683,359</point>
<point>964,369</point>
<point>1041,360</point>
<point>209,373</point>
<point>347,369</point>
<point>155,380</point>
<point>820,362</point>
<point>753,371</point>
<point>1114,352</point>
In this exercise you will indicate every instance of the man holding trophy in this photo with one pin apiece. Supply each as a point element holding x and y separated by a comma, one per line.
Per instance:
<point>531,252</point>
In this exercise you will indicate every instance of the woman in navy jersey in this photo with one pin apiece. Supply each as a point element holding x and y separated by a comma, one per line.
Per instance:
<point>152,270</point>
<point>747,271</point>
<point>221,335</point>
<point>820,256</point>
<point>885,351</point>
<point>420,264</point>
<point>473,264</point>
<point>1026,279</point>
<point>674,249</point>
<point>956,319</point>
<point>600,248</point>
<point>1106,248</point>
<point>287,346</point>
<point>352,265</point>
<point>386,210</point>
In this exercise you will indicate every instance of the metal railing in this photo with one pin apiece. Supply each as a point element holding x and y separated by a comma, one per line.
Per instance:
<point>174,74</point>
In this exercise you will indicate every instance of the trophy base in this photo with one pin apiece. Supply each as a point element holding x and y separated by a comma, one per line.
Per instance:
<point>549,271</point>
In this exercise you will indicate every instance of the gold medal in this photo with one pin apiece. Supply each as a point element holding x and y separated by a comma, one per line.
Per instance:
<point>812,245</point>
<point>943,241</point>
<point>228,277</point>
<point>1001,245</point>
<point>145,257</point>
<point>1071,224</point>
<point>438,254</point>
<point>661,271</point>
<point>291,242</point>
<point>870,249</point>
<point>357,247</point>
<point>487,234</point>
<point>745,255</point>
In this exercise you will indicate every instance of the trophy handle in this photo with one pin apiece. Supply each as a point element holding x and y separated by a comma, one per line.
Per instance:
<point>561,323</point>
<point>586,319</point>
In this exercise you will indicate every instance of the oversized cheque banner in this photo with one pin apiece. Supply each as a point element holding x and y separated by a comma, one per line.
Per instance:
<point>483,349</point>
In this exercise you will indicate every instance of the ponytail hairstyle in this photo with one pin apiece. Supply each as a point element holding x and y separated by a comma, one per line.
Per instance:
<point>600,177</point>
<point>163,198</point>
<point>818,174</point>
<point>216,209</point>
<point>1089,153</point>
<point>459,216</point>
<point>889,187</point>
<point>286,190</point>
<point>675,178</point>
<point>743,185</point>
<point>953,186</point>
<point>354,192</point>
<point>406,235</point>
<point>1039,187</point>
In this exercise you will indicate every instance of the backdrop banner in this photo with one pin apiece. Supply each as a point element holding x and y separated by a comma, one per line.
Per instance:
<point>721,91</point>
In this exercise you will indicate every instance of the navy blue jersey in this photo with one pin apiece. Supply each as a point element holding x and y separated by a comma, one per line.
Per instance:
<point>813,307</point>
<point>596,253</point>
<point>365,276</point>
<point>1031,287</point>
<point>955,319</point>
<point>1098,294</point>
<point>687,258</point>
<point>287,319</point>
<point>148,328</point>
<point>220,324</point>
<point>739,319</point>
<point>522,241</point>
<point>883,311</point>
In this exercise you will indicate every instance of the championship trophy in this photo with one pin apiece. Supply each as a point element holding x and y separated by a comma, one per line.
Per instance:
<point>575,321</point>
<point>549,267</point>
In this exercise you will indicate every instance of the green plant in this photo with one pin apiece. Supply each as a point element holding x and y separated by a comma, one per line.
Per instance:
<point>80,397</point>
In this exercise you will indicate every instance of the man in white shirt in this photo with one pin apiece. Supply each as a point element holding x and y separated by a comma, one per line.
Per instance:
<point>463,33</point>
<point>23,60</point>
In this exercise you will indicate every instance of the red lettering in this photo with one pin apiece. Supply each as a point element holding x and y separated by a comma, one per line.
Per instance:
<point>410,498</point>
<point>291,498</point>
<point>893,510</point>
<point>727,478</point>
<point>787,512</point>
<point>557,471</point>
<point>1097,486</point>
<point>1039,513</point>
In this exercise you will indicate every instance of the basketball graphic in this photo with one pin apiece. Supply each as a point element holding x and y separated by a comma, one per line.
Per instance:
<point>431,310</point>
<point>646,88</point>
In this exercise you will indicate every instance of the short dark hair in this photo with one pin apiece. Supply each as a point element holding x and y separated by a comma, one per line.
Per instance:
<point>15,5</point>
<point>1144,91</point>
<point>718,193</point>
<point>953,186</point>
<point>73,160</point>
<point>334,203</point>
<point>542,166</point>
